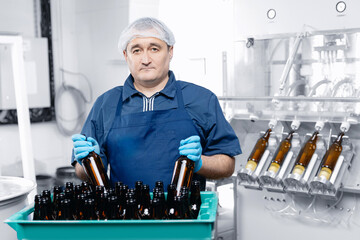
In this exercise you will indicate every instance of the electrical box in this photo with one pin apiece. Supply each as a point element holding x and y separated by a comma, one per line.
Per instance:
<point>36,64</point>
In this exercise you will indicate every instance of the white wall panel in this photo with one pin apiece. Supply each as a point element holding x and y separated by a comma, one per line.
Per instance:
<point>291,16</point>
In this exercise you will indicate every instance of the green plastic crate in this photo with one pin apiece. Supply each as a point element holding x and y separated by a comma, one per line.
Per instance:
<point>200,228</point>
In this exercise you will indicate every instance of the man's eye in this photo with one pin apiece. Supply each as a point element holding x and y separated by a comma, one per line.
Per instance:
<point>136,51</point>
<point>154,49</point>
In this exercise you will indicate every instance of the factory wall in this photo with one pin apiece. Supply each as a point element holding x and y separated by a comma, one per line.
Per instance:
<point>85,37</point>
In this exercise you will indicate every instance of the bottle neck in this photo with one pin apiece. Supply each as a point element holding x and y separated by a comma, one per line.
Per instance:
<point>290,135</point>
<point>314,136</point>
<point>267,134</point>
<point>339,138</point>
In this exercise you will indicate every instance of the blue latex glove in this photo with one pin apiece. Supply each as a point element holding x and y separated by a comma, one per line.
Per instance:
<point>83,146</point>
<point>191,148</point>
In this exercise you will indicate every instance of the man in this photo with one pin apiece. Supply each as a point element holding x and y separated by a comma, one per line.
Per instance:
<point>141,128</point>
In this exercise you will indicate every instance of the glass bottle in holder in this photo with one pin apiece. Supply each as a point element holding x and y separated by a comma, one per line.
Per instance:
<point>281,153</point>
<point>183,172</point>
<point>331,157</point>
<point>95,170</point>
<point>258,151</point>
<point>305,155</point>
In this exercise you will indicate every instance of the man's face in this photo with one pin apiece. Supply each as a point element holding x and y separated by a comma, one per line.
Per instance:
<point>148,59</point>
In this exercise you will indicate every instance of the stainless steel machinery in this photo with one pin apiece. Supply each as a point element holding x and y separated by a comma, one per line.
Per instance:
<point>297,68</point>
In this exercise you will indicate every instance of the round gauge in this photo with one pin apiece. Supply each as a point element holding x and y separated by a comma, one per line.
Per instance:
<point>271,13</point>
<point>340,6</point>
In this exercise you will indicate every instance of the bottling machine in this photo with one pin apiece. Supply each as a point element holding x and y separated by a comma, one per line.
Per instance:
<point>297,72</point>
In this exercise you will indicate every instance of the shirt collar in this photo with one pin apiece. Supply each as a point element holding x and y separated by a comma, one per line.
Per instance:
<point>169,89</point>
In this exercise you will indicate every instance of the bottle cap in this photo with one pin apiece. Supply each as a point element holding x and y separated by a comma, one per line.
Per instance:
<point>295,125</point>
<point>344,127</point>
<point>319,125</point>
<point>272,123</point>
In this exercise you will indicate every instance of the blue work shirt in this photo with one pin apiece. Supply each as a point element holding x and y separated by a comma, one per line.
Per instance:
<point>201,104</point>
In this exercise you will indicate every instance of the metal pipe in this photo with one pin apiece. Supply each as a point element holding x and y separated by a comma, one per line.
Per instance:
<point>290,61</point>
<point>296,98</point>
<point>22,107</point>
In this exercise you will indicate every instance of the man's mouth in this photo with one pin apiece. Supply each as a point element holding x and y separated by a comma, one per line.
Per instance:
<point>146,69</point>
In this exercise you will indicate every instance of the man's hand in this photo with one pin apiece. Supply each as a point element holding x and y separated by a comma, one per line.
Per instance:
<point>83,146</point>
<point>191,148</point>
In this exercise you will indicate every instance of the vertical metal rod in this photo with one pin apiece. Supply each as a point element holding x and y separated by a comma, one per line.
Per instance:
<point>37,17</point>
<point>235,205</point>
<point>225,74</point>
<point>290,61</point>
<point>22,107</point>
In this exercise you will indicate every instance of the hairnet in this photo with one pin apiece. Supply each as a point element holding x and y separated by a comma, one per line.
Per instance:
<point>146,27</point>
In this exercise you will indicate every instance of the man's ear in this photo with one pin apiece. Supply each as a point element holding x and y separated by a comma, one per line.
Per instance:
<point>125,54</point>
<point>171,48</point>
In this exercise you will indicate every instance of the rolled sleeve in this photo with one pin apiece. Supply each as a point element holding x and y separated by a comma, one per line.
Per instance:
<point>216,133</point>
<point>220,137</point>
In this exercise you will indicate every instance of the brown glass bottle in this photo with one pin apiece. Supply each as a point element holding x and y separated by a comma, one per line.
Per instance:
<point>37,207</point>
<point>90,213</point>
<point>305,154</point>
<point>103,207</point>
<point>69,185</point>
<point>95,170</point>
<point>183,172</point>
<point>45,210</point>
<point>171,193</point>
<point>98,191</point>
<point>172,208</point>
<point>65,212</point>
<point>46,195</point>
<point>160,185</point>
<point>281,153</point>
<point>177,211</point>
<point>118,188</point>
<point>258,151</point>
<point>131,212</point>
<point>85,187</point>
<point>331,157</point>
<point>56,191</point>
<point>195,199</point>
<point>113,208</point>
<point>77,190</point>
<point>57,205</point>
<point>185,203</point>
<point>145,203</point>
<point>157,209</point>
<point>80,208</point>
<point>160,195</point>
<point>138,193</point>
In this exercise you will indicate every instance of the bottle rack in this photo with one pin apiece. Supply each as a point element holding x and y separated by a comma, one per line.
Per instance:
<point>300,184</point>
<point>274,181</point>
<point>306,184</point>
<point>250,179</point>
<point>331,188</point>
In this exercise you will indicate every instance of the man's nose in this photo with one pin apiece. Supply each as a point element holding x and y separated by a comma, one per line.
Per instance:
<point>146,59</point>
